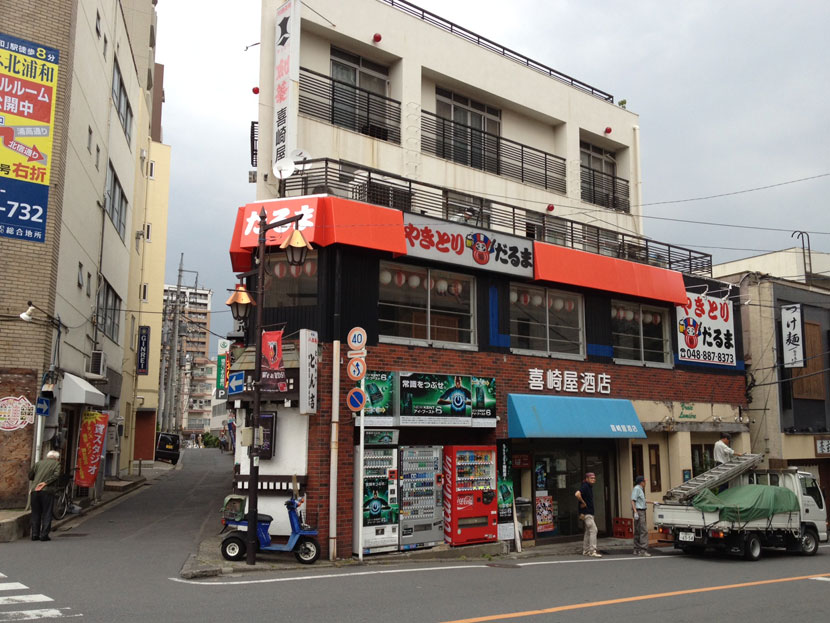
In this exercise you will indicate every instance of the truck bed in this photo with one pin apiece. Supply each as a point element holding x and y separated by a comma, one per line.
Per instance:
<point>682,516</point>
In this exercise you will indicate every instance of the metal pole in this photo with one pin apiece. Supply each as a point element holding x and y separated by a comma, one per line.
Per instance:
<point>335,413</point>
<point>174,357</point>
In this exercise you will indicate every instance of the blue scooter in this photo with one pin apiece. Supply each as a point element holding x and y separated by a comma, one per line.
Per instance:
<point>302,542</point>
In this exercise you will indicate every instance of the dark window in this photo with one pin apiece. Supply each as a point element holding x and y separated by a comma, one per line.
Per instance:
<point>637,461</point>
<point>639,333</point>
<point>703,457</point>
<point>654,467</point>
<point>290,286</point>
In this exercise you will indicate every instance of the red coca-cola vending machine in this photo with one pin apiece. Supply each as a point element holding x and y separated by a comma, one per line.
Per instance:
<point>470,504</point>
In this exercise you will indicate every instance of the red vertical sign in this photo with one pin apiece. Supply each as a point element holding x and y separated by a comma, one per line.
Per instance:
<point>91,447</point>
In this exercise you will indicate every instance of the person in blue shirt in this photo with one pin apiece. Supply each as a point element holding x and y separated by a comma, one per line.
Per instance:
<point>457,397</point>
<point>638,506</point>
<point>585,495</point>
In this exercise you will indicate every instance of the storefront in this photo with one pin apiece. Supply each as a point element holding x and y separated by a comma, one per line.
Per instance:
<point>555,441</point>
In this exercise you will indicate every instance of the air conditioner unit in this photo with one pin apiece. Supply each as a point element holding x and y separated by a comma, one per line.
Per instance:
<point>97,364</point>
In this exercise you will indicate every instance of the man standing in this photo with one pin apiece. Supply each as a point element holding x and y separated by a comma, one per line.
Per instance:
<point>638,505</point>
<point>585,495</point>
<point>43,475</point>
<point>723,453</point>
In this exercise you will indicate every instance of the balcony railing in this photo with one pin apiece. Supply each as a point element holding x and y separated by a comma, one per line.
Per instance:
<point>478,40</point>
<point>353,181</point>
<point>605,190</point>
<point>491,153</point>
<point>348,106</point>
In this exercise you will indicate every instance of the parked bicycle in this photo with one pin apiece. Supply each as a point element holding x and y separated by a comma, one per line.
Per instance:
<point>63,498</point>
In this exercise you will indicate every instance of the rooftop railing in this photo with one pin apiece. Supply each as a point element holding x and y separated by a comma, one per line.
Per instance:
<point>604,190</point>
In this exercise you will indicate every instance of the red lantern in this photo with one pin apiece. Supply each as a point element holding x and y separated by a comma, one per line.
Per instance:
<point>400,278</point>
<point>280,270</point>
<point>569,305</point>
<point>296,271</point>
<point>310,268</point>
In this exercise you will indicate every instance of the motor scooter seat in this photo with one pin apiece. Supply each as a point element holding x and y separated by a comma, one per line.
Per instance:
<point>260,518</point>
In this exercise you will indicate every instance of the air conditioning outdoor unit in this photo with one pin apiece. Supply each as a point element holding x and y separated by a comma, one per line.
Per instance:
<point>98,363</point>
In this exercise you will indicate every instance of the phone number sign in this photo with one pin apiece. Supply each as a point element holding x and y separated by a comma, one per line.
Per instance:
<point>706,330</point>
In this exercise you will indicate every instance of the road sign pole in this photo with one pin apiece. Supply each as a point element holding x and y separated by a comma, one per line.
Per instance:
<point>362,483</point>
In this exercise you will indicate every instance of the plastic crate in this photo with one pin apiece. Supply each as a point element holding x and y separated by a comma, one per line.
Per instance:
<point>623,528</point>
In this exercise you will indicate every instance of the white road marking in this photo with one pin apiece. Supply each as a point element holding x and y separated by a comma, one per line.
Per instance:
<point>2,576</point>
<point>31,615</point>
<point>23,599</point>
<point>12,586</point>
<point>589,560</point>
<point>822,579</point>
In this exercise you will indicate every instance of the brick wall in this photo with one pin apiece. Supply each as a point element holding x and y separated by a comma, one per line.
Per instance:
<point>16,446</point>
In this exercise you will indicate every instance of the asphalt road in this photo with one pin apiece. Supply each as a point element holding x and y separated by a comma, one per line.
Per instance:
<point>123,564</point>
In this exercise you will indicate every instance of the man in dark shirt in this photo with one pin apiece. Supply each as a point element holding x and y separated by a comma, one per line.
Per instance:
<point>585,495</point>
<point>458,397</point>
<point>44,476</point>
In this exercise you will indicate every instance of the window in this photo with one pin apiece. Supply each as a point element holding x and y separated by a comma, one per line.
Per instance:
<point>116,202</point>
<point>353,103</point>
<point>654,467</point>
<point>148,231</point>
<point>809,487</point>
<point>597,158</point>
<point>545,320</point>
<point>466,209</point>
<point>637,461</point>
<point>133,336</point>
<point>142,293</point>
<point>109,311</point>
<point>288,286</point>
<point>472,137</point>
<point>638,333</point>
<point>98,157</point>
<point>89,284</point>
<point>602,241</point>
<point>80,275</point>
<point>98,24</point>
<point>425,304</point>
<point>105,46</point>
<point>151,170</point>
<point>122,103</point>
<point>703,457</point>
<point>89,140</point>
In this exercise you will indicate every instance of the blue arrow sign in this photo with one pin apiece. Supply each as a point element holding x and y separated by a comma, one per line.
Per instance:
<point>42,406</point>
<point>236,382</point>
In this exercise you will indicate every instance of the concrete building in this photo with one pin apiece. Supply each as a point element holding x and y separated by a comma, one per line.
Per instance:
<point>477,213</point>
<point>70,253</point>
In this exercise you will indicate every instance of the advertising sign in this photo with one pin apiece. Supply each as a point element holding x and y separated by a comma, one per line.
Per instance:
<point>220,371</point>
<point>308,371</point>
<point>28,80</point>
<point>706,330</point>
<point>504,486</point>
<point>15,413</point>
<point>142,355</point>
<point>377,509</point>
<point>544,513</point>
<point>267,422</point>
<point>484,402</point>
<point>277,210</point>
<point>435,400</point>
<point>791,336</point>
<point>286,80</point>
<point>461,244</point>
<point>273,372</point>
<point>380,393</point>
<point>92,443</point>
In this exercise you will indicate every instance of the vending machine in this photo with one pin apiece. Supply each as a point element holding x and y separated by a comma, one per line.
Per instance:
<point>376,497</point>
<point>421,479</point>
<point>470,501</point>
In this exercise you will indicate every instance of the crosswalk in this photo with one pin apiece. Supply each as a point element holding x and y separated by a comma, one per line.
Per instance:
<point>16,595</point>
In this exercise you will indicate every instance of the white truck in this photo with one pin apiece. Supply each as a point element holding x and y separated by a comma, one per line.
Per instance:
<point>694,520</point>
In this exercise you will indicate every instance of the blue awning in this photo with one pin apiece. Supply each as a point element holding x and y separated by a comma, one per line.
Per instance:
<point>532,415</point>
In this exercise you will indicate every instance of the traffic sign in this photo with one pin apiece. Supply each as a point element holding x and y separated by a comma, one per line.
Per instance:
<point>357,368</point>
<point>43,404</point>
<point>236,383</point>
<point>352,354</point>
<point>356,399</point>
<point>356,339</point>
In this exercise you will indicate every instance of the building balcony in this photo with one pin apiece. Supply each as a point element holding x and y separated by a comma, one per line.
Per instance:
<point>491,153</point>
<point>604,190</point>
<point>350,107</point>
<point>351,181</point>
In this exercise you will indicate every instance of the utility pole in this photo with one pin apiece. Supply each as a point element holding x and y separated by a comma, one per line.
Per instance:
<point>174,357</point>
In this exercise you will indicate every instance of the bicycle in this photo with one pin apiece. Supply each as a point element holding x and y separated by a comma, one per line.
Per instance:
<point>63,498</point>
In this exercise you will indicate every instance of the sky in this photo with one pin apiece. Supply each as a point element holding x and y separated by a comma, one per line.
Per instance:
<point>731,97</point>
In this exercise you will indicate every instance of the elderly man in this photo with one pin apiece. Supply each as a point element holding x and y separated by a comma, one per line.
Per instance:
<point>638,506</point>
<point>585,495</point>
<point>44,476</point>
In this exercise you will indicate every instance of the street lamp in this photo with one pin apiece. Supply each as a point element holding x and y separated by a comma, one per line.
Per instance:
<point>296,248</point>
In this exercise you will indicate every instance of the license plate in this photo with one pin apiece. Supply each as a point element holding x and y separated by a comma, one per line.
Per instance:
<point>686,536</point>
<point>169,446</point>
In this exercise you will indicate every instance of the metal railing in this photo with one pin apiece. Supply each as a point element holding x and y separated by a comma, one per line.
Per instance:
<point>605,190</point>
<point>353,181</point>
<point>491,153</point>
<point>478,40</point>
<point>348,106</point>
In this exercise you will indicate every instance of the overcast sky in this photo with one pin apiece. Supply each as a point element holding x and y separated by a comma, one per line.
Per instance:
<point>732,96</point>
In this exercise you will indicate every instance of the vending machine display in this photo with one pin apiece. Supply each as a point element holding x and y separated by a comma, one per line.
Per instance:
<point>470,504</point>
<point>376,498</point>
<point>421,493</point>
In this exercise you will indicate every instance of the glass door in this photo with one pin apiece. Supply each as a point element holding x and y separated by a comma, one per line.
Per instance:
<point>595,462</point>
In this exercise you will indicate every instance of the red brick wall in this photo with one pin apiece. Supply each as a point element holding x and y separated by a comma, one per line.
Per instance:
<point>510,372</point>
<point>16,446</point>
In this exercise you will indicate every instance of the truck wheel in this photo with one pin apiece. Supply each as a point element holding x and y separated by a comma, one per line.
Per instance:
<point>233,548</point>
<point>307,550</point>
<point>809,542</point>
<point>752,547</point>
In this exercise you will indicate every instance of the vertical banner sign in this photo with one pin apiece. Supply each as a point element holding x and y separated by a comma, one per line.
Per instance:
<point>220,371</point>
<point>142,355</point>
<point>91,447</point>
<point>505,489</point>
<point>380,398</point>
<point>791,336</point>
<point>286,80</point>
<point>706,330</point>
<point>308,371</point>
<point>484,403</point>
<point>273,372</point>
<point>28,80</point>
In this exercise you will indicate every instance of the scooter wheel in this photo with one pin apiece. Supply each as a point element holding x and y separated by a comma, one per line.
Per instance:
<point>307,550</point>
<point>233,548</point>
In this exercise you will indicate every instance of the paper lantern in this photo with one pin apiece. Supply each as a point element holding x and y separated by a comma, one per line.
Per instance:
<point>441,286</point>
<point>400,278</point>
<point>429,284</point>
<point>629,315</point>
<point>614,313</point>
<point>385,277</point>
<point>569,305</point>
<point>558,304</point>
<point>456,288</point>
<point>536,299</point>
<point>657,319</point>
<point>414,281</point>
<point>647,317</point>
<point>280,270</point>
<point>524,298</point>
<point>514,296</point>
<point>296,271</point>
<point>636,316</point>
<point>310,268</point>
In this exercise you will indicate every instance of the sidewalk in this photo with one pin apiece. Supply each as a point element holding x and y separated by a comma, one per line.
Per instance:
<point>15,523</point>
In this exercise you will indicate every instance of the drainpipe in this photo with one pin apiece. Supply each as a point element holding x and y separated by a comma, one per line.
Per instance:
<point>638,181</point>
<point>335,411</point>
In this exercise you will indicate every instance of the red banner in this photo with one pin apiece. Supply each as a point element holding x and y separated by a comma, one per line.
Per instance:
<point>273,377</point>
<point>91,447</point>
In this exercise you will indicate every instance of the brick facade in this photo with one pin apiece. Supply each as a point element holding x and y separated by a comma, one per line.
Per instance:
<point>16,446</point>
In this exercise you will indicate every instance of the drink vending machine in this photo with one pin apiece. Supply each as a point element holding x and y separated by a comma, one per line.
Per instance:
<point>421,491</point>
<point>470,501</point>
<point>376,498</point>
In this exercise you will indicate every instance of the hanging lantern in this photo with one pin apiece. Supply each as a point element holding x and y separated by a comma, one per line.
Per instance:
<point>280,270</point>
<point>514,296</point>
<point>310,268</point>
<point>629,315</point>
<point>657,319</point>
<point>647,317</point>
<point>569,306</point>
<point>456,288</point>
<point>524,298</point>
<point>558,304</point>
<point>296,271</point>
<point>385,277</point>
<point>429,284</point>
<point>414,281</point>
<point>441,286</point>
<point>536,300</point>
<point>400,278</point>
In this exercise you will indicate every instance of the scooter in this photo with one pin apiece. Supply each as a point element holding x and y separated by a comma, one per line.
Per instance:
<point>302,542</point>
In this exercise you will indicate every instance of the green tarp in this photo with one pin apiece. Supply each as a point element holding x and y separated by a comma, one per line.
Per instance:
<point>746,503</point>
